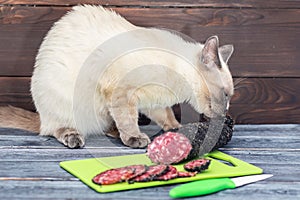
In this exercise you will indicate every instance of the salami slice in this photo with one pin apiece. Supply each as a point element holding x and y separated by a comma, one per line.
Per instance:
<point>197,165</point>
<point>138,170</point>
<point>112,176</point>
<point>153,171</point>
<point>170,174</point>
<point>169,148</point>
<point>186,174</point>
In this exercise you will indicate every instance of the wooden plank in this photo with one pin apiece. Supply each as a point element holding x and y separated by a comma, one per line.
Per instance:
<point>249,142</point>
<point>13,85</point>
<point>34,141</point>
<point>62,154</point>
<point>254,156</point>
<point>267,189</point>
<point>22,30</point>
<point>266,101</point>
<point>167,3</point>
<point>241,113</point>
<point>37,169</point>
<point>265,142</point>
<point>21,33</point>
<point>240,140</point>
<point>15,91</point>
<point>256,100</point>
<point>265,114</point>
<point>268,130</point>
<point>251,91</point>
<point>34,173</point>
<point>265,157</point>
<point>263,101</point>
<point>14,138</point>
<point>14,101</point>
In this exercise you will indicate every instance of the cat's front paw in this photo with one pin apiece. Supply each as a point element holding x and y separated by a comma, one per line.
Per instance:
<point>140,140</point>
<point>73,139</point>
<point>172,126</point>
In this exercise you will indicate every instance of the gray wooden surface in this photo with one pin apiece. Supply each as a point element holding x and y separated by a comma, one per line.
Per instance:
<point>29,165</point>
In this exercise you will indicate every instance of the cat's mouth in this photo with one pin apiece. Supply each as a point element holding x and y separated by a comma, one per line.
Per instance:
<point>215,113</point>
<point>216,109</point>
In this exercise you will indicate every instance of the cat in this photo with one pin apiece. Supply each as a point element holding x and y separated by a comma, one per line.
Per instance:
<point>201,77</point>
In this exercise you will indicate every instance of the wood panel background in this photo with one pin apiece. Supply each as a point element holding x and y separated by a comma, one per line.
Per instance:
<point>266,37</point>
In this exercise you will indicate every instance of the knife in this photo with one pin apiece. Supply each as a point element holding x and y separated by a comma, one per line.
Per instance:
<point>208,186</point>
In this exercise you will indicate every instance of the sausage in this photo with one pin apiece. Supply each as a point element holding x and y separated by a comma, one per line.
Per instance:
<point>197,165</point>
<point>186,174</point>
<point>171,147</point>
<point>150,174</point>
<point>118,175</point>
<point>113,176</point>
<point>196,133</point>
<point>170,174</point>
<point>138,170</point>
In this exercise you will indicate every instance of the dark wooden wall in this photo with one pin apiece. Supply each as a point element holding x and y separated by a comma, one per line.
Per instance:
<point>266,36</point>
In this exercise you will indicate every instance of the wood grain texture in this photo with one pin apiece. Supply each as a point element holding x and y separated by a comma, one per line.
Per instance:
<point>15,91</point>
<point>248,141</point>
<point>32,171</point>
<point>64,189</point>
<point>256,100</point>
<point>263,38</point>
<point>267,91</point>
<point>166,3</point>
<point>267,54</point>
<point>266,101</point>
<point>265,114</point>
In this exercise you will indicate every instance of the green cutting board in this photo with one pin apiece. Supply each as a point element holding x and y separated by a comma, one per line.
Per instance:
<point>86,169</point>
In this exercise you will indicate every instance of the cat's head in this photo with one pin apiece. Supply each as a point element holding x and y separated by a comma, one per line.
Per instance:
<point>218,79</point>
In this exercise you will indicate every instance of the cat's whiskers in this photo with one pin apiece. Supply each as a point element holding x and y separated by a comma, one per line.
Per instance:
<point>237,82</point>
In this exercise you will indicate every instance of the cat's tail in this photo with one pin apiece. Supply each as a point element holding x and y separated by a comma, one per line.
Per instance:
<point>13,117</point>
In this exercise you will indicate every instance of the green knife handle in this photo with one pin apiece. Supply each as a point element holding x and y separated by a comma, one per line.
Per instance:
<point>201,187</point>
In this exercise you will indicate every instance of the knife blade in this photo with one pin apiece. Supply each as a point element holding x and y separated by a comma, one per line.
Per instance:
<point>208,186</point>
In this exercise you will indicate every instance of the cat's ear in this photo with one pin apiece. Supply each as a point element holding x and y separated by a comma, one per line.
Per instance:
<point>210,51</point>
<point>226,52</point>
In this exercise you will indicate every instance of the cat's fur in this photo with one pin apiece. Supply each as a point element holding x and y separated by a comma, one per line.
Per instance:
<point>203,80</point>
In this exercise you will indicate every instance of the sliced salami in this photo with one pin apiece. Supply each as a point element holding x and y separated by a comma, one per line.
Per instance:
<point>138,170</point>
<point>170,174</point>
<point>186,174</point>
<point>169,148</point>
<point>197,165</point>
<point>150,174</point>
<point>112,176</point>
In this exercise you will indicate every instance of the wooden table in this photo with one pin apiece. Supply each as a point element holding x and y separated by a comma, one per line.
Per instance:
<point>29,165</point>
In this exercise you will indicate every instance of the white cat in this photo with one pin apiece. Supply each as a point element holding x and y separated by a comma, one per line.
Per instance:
<point>76,93</point>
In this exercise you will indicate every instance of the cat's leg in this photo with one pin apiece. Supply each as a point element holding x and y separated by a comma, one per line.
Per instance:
<point>164,117</point>
<point>125,115</point>
<point>113,131</point>
<point>69,137</point>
